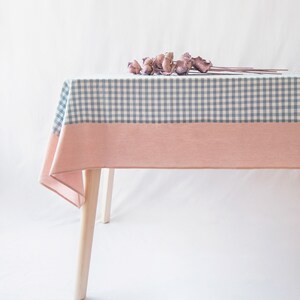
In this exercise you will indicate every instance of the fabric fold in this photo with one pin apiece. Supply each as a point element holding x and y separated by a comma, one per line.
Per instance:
<point>68,184</point>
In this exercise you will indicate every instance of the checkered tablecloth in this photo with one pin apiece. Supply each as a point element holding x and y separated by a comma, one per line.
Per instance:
<point>158,99</point>
<point>205,121</point>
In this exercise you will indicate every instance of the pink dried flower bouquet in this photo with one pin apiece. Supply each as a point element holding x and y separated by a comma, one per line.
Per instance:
<point>164,64</point>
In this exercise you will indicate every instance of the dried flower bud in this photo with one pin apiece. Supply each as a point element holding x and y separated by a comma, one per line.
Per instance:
<point>147,66</point>
<point>134,67</point>
<point>182,67</point>
<point>157,63</point>
<point>201,64</point>
<point>159,59</point>
<point>167,64</point>
<point>187,58</point>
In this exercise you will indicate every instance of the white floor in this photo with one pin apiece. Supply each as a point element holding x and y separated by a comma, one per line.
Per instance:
<point>180,235</point>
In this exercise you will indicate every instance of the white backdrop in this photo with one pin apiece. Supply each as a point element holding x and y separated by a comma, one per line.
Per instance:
<point>180,234</point>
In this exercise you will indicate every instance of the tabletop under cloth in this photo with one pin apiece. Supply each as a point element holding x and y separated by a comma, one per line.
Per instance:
<point>205,121</point>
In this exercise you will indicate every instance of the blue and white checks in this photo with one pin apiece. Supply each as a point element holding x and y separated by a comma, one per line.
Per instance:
<point>174,99</point>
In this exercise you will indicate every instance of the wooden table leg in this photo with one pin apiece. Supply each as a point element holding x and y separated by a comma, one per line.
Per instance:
<point>88,215</point>
<point>106,194</point>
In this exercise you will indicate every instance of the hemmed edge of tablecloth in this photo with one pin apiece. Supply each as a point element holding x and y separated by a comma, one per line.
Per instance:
<point>165,146</point>
<point>77,203</point>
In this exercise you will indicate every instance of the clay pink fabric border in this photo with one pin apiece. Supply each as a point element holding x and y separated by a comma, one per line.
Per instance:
<point>179,145</point>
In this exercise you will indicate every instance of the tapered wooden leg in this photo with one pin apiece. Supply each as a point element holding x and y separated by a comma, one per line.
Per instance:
<point>107,182</point>
<point>88,215</point>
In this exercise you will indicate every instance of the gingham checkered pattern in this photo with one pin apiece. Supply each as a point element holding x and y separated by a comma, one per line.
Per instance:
<point>171,99</point>
<point>61,108</point>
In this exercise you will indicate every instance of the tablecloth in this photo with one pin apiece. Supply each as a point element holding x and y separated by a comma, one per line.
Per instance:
<point>204,121</point>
